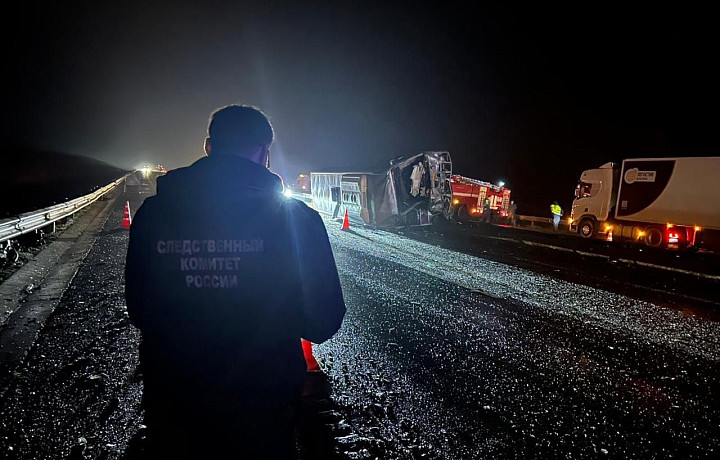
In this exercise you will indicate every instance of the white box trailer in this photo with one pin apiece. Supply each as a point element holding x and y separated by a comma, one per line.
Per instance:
<point>660,202</point>
<point>413,191</point>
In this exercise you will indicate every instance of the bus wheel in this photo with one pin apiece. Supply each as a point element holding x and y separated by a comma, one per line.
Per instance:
<point>654,237</point>
<point>587,228</point>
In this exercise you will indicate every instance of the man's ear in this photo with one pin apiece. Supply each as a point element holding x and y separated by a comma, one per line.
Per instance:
<point>266,152</point>
<point>259,155</point>
<point>207,147</point>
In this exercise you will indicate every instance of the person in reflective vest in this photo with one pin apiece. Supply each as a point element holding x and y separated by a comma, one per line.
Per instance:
<point>557,213</point>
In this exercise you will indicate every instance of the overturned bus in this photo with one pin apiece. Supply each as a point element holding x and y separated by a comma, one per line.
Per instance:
<point>413,191</point>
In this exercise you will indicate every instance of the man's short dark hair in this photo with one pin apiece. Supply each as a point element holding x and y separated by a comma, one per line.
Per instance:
<point>238,129</point>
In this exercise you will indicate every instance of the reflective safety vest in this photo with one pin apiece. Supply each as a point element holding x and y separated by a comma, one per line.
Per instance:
<point>556,209</point>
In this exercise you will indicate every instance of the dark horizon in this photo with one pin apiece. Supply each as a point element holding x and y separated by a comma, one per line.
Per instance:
<point>532,96</point>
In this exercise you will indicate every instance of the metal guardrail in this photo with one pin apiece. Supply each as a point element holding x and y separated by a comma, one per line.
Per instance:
<point>30,221</point>
<point>306,197</point>
<point>541,220</point>
<point>535,220</point>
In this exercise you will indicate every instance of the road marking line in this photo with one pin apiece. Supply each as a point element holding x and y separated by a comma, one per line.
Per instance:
<point>499,238</point>
<point>628,261</point>
<point>532,243</point>
<point>592,254</point>
<point>663,267</point>
<point>663,291</point>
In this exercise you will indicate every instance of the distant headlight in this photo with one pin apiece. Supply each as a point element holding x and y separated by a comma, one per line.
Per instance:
<point>288,193</point>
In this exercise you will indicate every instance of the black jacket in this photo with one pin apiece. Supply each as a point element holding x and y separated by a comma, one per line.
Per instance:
<point>224,275</point>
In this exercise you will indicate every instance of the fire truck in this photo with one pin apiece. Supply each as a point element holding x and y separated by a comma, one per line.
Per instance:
<point>469,196</point>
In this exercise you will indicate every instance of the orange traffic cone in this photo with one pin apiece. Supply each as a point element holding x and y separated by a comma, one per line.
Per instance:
<point>312,365</point>
<point>127,220</point>
<point>346,222</point>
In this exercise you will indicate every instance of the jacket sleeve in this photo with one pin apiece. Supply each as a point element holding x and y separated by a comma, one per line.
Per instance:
<point>135,271</point>
<point>323,306</point>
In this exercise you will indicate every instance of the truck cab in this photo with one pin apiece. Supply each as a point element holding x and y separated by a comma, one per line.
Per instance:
<point>594,199</point>
<point>667,203</point>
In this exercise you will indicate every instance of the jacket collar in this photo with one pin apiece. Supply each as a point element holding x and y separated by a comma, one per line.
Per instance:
<point>220,175</point>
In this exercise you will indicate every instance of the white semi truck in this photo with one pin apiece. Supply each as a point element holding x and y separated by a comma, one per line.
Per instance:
<point>660,202</point>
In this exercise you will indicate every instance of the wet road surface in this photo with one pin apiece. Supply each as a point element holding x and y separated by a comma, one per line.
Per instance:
<point>446,353</point>
<point>453,356</point>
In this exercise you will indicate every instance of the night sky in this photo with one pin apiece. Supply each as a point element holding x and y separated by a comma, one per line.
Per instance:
<point>531,95</point>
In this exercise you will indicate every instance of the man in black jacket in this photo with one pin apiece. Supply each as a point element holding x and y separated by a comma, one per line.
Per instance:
<point>224,276</point>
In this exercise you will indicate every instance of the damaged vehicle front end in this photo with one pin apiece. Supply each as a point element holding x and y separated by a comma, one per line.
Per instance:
<point>412,192</point>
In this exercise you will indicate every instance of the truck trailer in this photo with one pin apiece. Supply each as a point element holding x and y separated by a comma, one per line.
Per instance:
<point>669,203</point>
<point>411,192</point>
<point>469,196</point>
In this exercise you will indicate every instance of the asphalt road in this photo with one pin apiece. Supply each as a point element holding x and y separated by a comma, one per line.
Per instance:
<point>457,356</point>
<point>458,344</point>
<point>684,281</point>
